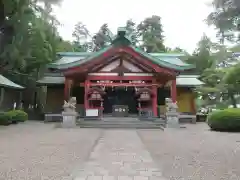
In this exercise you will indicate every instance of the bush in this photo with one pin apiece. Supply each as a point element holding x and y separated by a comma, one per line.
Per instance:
<point>17,115</point>
<point>5,119</point>
<point>225,120</point>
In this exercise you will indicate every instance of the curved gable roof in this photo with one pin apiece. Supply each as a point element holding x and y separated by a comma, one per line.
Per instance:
<point>167,60</point>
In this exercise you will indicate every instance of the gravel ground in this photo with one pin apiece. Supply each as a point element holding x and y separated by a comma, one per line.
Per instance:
<point>195,153</point>
<point>37,151</point>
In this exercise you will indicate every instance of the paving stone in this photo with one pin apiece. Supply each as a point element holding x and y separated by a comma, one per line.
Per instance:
<point>141,178</point>
<point>94,178</point>
<point>121,155</point>
<point>125,178</point>
<point>109,178</point>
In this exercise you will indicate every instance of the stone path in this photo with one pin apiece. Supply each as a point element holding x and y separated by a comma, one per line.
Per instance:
<point>119,155</point>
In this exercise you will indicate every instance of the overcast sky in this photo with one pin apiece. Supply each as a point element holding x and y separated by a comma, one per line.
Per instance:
<point>183,20</point>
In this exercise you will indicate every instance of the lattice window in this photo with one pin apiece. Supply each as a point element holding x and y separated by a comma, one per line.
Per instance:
<point>95,95</point>
<point>145,95</point>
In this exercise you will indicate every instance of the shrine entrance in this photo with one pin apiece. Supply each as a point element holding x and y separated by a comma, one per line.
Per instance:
<point>121,98</point>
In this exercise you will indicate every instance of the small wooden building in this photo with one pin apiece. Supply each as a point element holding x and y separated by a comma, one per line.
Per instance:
<point>10,94</point>
<point>120,75</point>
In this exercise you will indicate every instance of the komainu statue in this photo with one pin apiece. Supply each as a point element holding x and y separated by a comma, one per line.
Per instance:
<point>70,106</point>
<point>172,116</point>
<point>69,114</point>
<point>170,105</point>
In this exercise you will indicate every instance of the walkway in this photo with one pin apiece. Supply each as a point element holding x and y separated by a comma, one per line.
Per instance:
<point>119,155</point>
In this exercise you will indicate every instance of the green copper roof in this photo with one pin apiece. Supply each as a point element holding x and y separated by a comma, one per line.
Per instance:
<point>167,60</point>
<point>51,80</point>
<point>71,59</point>
<point>188,80</point>
<point>4,82</point>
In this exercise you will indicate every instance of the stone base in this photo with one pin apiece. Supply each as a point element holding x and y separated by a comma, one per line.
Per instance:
<point>69,119</point>
<point>172,122</point>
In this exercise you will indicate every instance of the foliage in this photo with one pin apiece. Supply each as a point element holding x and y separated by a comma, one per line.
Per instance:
<point>176,50</point>
<point>5,119</point>
<point>213,62</point>
<point>232,77</point>
<point>150,33</point>
<point>81,36</point>
<point>102,38</point>
<point>132,33</point>
<point>225,120</point>
<point>64,46</point>
<point>17,115</point>
<point>29,39</point>
<point>225,18</point>
<point>202,57</point>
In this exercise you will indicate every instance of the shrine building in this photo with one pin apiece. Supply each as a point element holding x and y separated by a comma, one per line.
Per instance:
<point>120,78</point>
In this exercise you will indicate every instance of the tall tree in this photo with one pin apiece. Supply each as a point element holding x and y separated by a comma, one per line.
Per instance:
<point>226,18</point>
<point>232,80</point>
<point>102,38</point>
<point>132,33</point>
<point>202,57</point>
<point>150,33</point>
<point>82,38</point>
<point>28,41</point>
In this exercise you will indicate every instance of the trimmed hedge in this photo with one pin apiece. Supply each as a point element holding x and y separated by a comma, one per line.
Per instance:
<point>227,120</point>
<point>17,115</point>
<point>5,119</point>
<point>13,117</point>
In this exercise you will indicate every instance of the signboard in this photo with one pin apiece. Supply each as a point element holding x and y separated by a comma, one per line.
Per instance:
<point>145,96</point>
<point>91,112</point>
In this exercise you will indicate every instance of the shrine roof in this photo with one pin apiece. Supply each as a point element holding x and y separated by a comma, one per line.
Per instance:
<point>182,80</point>
<point>72,59</point>
<point>167,60</point>
<point>188,80</point>
<point>4,82</point>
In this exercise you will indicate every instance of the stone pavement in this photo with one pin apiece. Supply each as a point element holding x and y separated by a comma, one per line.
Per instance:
<point>119,155</point>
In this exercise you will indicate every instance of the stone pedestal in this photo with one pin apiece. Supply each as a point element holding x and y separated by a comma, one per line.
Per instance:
<point>69,119</point>
<point>69,114</point>
<point>172,116</point>
<point>172,120</point>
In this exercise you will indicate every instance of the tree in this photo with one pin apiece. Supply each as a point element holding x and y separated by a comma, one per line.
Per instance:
<point>232,79</point>
<point>81,37</point>
<point>102,38</point>
<point>64,46</point>
<point>225,18</point>
<point>151,34</point>
<point>217,68</point>
<point>28,41</point>
<point>176,50</point>
<point>132,33</point>
<point>202,56</point>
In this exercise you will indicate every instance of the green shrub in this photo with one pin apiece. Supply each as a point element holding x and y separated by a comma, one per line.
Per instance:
<point>225,120</point>
<point>5,119</point>
<point>17,115</point>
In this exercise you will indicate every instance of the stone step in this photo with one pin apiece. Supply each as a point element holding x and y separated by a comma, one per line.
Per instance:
<point>122,124</point>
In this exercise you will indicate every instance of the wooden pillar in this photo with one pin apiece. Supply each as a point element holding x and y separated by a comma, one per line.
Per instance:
<point>2,91</point>
<point>86,88</point>
<point>174,91</point>
<point>154,100</point>
<point>66,89</point>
